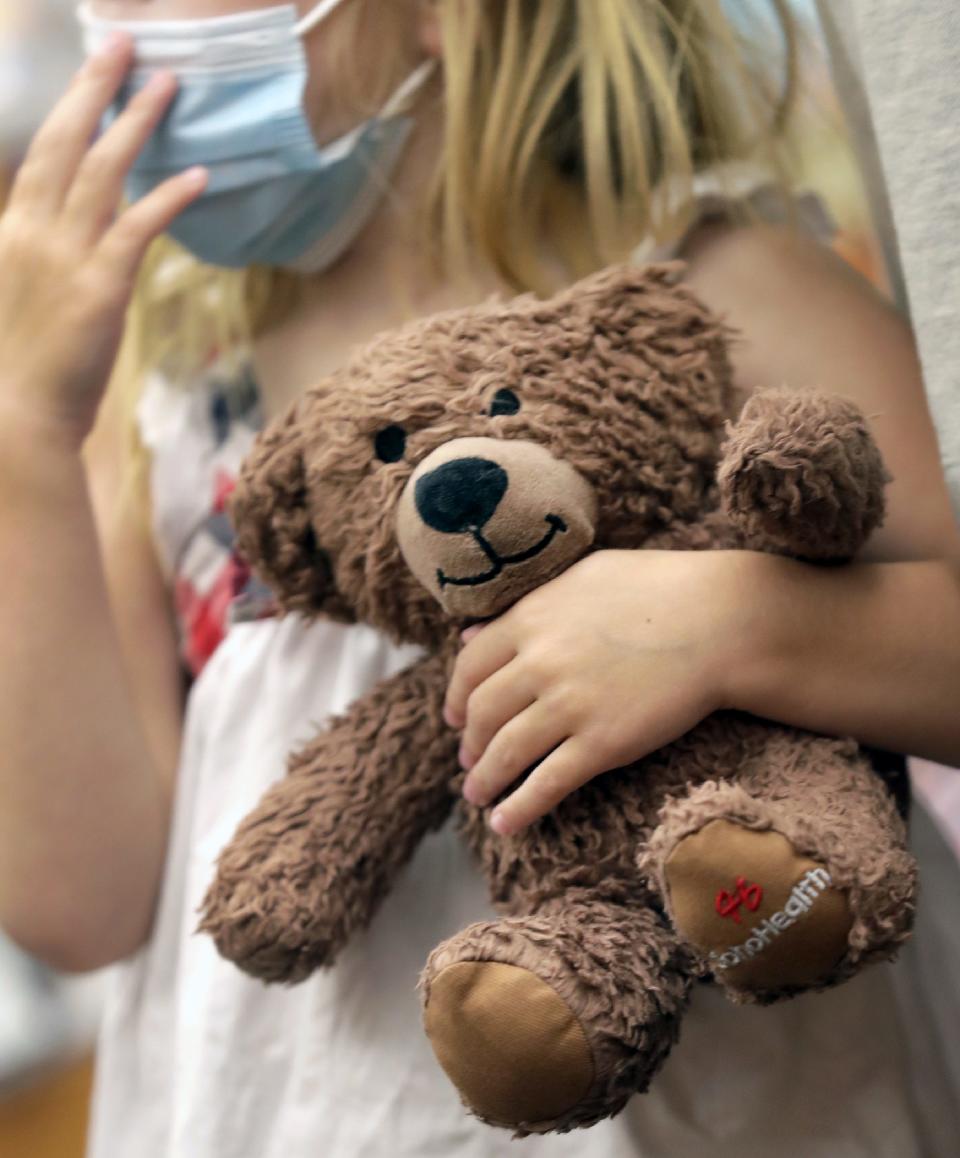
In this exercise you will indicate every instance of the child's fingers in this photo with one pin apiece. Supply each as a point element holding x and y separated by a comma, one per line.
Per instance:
<point>63,139</point>
<point>519,744</point>
<point>123,247</point>
<point>92,201</point>
<point>483,655</point>
<point>491,706</point>
<point>562,772</point>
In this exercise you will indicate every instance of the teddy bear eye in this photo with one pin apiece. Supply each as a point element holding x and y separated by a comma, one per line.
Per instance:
<point>390,443</point>
<point>504,402</point>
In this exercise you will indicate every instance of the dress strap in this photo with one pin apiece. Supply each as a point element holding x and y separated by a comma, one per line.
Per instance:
<point>722,191</point>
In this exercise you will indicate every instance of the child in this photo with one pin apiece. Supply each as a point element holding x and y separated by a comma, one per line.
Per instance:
<point>564,132</point>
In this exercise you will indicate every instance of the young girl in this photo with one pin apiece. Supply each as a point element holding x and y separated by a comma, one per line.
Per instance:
<point>538,139</point>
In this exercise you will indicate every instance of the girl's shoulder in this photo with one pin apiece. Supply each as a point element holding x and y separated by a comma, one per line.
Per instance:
<point>806,320</point>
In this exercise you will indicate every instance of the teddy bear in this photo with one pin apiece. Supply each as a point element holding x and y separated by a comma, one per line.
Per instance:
<point>444,472</point>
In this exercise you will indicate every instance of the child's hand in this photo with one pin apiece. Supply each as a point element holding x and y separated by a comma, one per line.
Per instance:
<point>618,656</point>
<point>69,263</point>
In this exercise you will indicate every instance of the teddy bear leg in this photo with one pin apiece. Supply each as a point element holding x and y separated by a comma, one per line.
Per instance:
<point>792,877</point>
<point>552,1021</point>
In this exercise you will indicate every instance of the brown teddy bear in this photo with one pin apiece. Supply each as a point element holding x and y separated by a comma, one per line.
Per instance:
<point>444,472</point>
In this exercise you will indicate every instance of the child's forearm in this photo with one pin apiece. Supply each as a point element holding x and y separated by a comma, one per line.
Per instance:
<point>869,650</point>
<point>83,814</point>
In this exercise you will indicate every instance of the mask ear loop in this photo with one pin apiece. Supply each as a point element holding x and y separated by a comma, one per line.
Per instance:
<point>400,101</point>
<point>314,17</point>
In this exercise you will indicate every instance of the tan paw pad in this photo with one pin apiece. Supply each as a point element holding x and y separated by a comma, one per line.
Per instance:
<point>508,1042</point>
<point>764,916</point>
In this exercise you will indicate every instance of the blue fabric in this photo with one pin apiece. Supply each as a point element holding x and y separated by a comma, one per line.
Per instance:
<point>273,195</point>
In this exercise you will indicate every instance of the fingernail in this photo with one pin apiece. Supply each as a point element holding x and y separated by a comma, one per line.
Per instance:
<point>469,632</point>
<point>471,793</point>
<point>196,176</point>
<point>467,759</point>
<point>159,81</point>
<point>499,823</point>
<point>113,44</point>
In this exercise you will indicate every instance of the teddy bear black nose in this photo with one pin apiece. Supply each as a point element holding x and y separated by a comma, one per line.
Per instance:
<point>460,495</point>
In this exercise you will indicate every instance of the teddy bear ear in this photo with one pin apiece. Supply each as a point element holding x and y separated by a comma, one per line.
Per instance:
<point>271,514</point>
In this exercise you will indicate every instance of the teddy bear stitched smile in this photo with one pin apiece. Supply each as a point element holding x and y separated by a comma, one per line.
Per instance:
<point>461,496</point>
<point>499,562</point>
<point>469,515</point>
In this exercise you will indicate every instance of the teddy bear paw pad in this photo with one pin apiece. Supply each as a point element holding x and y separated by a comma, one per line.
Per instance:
<point>765,917</point>
<point>508,1042</point>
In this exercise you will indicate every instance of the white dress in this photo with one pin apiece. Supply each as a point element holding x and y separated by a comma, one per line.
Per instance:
<point>197,1060</point>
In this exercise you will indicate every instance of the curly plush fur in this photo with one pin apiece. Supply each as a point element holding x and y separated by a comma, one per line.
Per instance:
<point>466,448</point>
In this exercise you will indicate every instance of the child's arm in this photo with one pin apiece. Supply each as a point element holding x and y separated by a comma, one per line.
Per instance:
<point>83,805</point>
<point>89,710</point>
<point>871,651</point>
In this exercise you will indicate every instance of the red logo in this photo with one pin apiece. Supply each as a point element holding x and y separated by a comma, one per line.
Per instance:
<point>728,904</point>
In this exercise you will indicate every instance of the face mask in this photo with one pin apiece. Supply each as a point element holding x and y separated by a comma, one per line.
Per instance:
<point>274,197</point>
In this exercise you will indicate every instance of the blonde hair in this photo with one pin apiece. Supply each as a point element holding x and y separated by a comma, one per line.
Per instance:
<point>572,130</point>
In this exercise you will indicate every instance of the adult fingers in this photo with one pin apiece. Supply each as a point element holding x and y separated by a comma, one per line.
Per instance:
<point>63,139</point>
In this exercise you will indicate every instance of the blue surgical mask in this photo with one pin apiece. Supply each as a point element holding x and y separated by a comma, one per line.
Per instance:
<point>273,197</point>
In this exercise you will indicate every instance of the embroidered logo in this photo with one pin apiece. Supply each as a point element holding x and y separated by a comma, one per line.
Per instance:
<point>801,900</point>
<point>728,904</point>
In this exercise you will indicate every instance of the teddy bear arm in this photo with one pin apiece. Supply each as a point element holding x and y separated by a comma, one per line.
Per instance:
<point>311,864</point>
<point>801,475</point>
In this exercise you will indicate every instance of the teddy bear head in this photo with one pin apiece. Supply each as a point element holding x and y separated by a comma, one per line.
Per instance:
<point>452,466</point>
